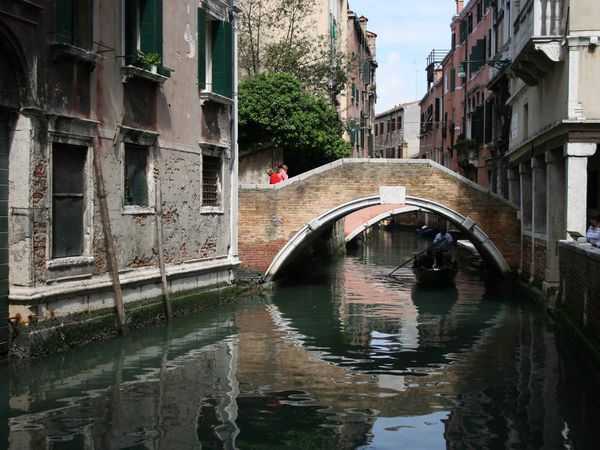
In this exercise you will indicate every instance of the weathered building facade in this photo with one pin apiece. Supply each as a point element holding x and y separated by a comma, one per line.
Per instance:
<point>357,101</point>
<point>397,132</point>
<point>136,97</point>
<point>519,115</point>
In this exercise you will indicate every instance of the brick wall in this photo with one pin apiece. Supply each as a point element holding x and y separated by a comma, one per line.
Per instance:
<point>540,258</point>
<point>579,295</point>
<point>269,218</point>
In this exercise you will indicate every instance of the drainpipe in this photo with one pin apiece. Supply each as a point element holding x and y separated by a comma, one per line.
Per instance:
<point>534,166</point>
<point>233,168</point>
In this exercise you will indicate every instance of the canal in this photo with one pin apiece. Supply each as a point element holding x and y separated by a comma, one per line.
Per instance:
<point>342,356</point>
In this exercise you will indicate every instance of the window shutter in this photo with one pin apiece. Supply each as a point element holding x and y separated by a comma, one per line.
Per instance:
<point>453,79</point>
<point>64,21</point>
<point>151,26</point>
<point>477,126</point>
<point>222,61</point>
<point>463,31</point>
<point>201,48</point>
<point>130,33</point>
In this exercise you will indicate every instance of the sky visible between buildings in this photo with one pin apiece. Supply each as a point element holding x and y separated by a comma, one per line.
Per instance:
<point>407,30</point>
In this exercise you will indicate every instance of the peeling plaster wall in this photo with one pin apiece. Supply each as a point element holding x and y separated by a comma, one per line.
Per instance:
<point>71,101</point>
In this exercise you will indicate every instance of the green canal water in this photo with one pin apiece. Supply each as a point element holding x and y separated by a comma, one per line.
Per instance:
<point>341,356</point>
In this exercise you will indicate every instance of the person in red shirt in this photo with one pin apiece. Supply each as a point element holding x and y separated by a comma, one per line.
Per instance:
<point>273,177</point>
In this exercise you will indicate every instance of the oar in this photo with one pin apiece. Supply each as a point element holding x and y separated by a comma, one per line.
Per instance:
<point>415,256</point>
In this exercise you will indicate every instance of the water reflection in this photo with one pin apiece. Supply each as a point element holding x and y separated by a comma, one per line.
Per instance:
<point>355,359</point>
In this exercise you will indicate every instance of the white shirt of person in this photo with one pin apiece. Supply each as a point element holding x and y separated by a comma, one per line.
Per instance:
<point>443,241</point>
<point>593,236</point>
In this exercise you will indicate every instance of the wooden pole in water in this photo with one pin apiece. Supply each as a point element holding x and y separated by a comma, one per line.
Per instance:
<point>159,238</point>
<point>108,238</point>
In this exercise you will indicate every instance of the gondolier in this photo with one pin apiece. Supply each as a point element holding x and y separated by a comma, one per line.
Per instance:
<point>442,242</point>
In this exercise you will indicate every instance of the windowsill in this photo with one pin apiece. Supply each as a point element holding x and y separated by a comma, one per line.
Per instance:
<point>77,53</point>
<point>128,72</point>
<point>211,210</point>
<point>138,210</point>
<point>69,261</point>
<point>216,98</point>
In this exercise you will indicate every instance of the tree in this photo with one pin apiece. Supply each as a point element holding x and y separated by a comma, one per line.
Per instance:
<point>276,36</point>
<point>276,111</point>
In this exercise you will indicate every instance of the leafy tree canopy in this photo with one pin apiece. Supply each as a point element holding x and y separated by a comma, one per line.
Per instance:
<point>275,111</point>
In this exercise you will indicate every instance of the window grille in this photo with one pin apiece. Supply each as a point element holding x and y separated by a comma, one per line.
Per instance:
<point>211,172</point>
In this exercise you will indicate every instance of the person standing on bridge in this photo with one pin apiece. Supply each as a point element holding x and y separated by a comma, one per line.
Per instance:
<point>274,178</point>
<point>282,172</point>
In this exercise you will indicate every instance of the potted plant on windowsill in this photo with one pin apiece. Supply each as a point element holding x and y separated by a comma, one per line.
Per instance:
<point>150,61</point>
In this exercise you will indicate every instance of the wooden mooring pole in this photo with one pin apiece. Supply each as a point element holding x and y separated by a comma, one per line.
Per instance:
<point>108,238</point>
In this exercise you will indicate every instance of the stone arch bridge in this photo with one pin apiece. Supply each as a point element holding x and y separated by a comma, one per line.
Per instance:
<point>276,222</point>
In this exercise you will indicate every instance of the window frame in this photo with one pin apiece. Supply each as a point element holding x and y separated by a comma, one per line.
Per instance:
<point>213,34</point>
<point>150,207</point>
<point>88,198</point>
<point>214,151</point>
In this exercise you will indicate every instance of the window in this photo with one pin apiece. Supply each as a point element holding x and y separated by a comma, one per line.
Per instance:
<point>399,122</point>
<point>452,79</point>
<point>136,175</point>
<point>68,199</point>
<point>211,180</point>
<point>143,31</point>
<point>215,55</point>
<point>74,22</point>
<point>479,12</point>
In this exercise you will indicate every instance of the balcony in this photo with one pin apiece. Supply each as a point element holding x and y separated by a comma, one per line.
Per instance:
<point>538,30</point>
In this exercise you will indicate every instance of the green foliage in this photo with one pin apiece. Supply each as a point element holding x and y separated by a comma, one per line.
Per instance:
<point>148,60</point>
<point>275,111</point>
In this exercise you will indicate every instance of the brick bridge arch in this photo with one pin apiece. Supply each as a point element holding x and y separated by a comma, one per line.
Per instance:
<point>278,221</point>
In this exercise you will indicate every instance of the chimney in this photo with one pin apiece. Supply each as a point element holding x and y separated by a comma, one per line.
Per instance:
<point>363,23</point>
<point>459,6</point>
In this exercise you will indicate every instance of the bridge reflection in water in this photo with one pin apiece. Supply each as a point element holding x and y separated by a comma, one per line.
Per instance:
<point>352,359</point>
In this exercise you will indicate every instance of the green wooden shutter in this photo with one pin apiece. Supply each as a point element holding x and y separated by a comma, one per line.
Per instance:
<point>201,48</point>
<point>151,26</point>
<point>463,30</point>
<point>130,33</point>
<point>222,61</point>
<point>64,21</point>
<point>453,79</point>
<point>477,126</point>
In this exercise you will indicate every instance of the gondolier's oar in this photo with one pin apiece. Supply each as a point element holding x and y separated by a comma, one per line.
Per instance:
<point>417,255</point>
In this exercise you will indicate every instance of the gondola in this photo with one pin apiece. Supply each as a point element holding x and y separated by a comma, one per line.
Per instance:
<point>434,276</point>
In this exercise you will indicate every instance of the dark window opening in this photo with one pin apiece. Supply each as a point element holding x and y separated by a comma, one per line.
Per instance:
<point>68,199</point>
<point>74,22</point>
<point>136,175</point>
<point>211,183</point>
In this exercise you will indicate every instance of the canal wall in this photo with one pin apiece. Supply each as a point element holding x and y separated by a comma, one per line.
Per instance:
<point>578,298</point>
<point>59,334</point>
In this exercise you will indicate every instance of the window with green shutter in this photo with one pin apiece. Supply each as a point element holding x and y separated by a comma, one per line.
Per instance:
<point>144,32</point>
<point>452,79</point>
<point>73,22</point>
<point>215,55</point>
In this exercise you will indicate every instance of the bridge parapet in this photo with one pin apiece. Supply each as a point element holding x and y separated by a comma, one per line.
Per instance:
<point>275,220</point>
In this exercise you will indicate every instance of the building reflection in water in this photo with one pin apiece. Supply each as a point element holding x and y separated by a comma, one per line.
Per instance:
<point>355,358</point>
